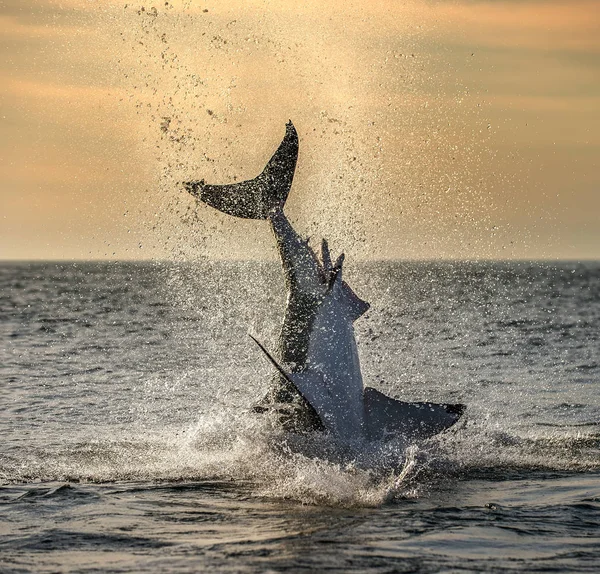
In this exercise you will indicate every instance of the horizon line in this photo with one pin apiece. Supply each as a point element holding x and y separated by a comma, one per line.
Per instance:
<point>359,260</point>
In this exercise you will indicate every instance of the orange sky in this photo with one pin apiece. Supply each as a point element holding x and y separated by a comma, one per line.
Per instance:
<point>428,129</point>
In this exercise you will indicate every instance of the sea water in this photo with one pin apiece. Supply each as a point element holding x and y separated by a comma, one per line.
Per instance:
<point>128,442</point>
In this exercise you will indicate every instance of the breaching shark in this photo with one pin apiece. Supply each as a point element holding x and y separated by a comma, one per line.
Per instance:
<point>319,384</point>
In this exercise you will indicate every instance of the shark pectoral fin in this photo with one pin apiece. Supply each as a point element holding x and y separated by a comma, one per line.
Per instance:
<point>310,386</point>
<point>385,416</point>
<point>281,370</point>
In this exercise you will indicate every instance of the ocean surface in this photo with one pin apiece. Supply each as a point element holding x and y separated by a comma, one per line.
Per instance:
<point>128,444</point>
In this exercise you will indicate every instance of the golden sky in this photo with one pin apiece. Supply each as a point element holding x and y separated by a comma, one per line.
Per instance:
<point>428,129</point>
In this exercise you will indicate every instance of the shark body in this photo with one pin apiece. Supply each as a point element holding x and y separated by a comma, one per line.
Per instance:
<point>319,384</point>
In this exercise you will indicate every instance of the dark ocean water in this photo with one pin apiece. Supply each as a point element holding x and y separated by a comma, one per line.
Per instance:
<point>128,445</point>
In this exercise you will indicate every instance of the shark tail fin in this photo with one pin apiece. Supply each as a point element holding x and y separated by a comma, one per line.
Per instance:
<point>255,198</point>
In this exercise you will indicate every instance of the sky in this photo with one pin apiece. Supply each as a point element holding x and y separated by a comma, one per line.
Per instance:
<point>429,129</point>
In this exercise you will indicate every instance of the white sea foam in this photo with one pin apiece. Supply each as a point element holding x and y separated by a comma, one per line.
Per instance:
<point>246,449</point>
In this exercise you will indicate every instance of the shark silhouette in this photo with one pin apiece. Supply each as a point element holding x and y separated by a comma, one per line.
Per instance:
<point>319,384</point>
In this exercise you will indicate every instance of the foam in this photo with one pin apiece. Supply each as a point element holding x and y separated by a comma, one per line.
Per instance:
<point>249,450</point>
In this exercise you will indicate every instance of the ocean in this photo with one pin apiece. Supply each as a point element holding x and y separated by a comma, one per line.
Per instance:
<point>129,443</point>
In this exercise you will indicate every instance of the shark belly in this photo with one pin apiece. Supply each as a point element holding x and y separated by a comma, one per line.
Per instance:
<point>333,356</point>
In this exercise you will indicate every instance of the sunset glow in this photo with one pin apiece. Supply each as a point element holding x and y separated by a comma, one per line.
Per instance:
<point>467,129</point>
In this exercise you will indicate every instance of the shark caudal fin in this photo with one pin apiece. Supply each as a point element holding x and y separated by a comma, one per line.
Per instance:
<point>255,198</point>
<point>387,417</point>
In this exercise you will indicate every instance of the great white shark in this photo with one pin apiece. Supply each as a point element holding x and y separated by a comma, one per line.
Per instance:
<point>319,384</point>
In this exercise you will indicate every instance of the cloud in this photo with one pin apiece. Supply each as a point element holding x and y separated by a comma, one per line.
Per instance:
<point>50,93</point>
<point>565,104</point>
<point>547,26</point>
<point>11,26</point>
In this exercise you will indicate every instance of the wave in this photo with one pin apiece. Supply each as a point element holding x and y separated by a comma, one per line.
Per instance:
<point>312,469</point>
